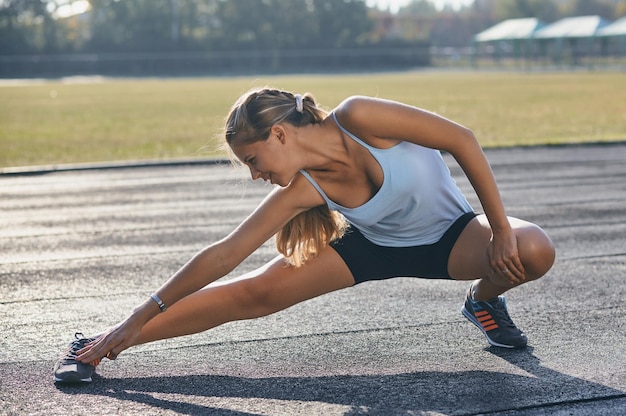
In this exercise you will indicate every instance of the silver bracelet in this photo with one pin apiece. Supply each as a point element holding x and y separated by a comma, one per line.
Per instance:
<point>159,302</point>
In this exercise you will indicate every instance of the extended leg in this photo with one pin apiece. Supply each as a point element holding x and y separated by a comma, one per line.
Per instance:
<point>271,288</point>
<point>274,287</point>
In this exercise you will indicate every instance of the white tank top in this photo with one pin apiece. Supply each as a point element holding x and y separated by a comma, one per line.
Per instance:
<point>416,203</point>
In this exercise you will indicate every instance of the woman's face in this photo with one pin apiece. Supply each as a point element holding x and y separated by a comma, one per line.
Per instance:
<point>267,159</point>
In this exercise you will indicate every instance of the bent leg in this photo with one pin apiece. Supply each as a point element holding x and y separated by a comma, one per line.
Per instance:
<point>271,288</point>
<point>469,260</point>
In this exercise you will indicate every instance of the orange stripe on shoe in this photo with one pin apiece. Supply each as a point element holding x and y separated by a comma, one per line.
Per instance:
<point>481,313</point>
<point>485,318</point>
<point>489,323</point>
<point>489,328</point>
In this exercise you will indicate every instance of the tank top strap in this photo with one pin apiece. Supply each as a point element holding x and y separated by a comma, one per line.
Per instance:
<point>352,136</point>
<point>306,174</point>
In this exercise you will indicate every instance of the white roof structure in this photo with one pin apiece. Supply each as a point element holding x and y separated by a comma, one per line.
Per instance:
<point>572,27</point>
<point>617,28</point>
<point>512,29</point>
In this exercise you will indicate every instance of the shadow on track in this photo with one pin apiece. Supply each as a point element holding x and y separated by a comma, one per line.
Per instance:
<point>462,392</point>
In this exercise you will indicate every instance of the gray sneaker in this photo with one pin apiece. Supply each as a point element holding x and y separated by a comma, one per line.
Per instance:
<point>68,370</point>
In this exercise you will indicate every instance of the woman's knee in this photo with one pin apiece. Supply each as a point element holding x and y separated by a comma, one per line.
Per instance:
<point>254,296</point>
<point>536,250</point>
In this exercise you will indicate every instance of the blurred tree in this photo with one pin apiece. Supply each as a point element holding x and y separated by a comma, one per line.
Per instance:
<point>280,24</point>
<point>341,23</point>
<point>421,7</point>
<point>546,11</point>
<point>25,25</point>
<point>132,25</point>
<point>604,8</point>
<point>620,9</point>
<point>246,24</point>
<point>149,25</point>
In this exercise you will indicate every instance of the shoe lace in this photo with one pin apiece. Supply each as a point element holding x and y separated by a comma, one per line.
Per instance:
<point>76,345</point>
<point>502,316</point>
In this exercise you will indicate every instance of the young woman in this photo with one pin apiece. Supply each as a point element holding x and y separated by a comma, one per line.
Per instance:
<point>363,194</point>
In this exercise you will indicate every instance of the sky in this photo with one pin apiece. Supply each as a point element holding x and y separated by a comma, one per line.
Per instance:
<point>394,5</point>
<point>69,7</point>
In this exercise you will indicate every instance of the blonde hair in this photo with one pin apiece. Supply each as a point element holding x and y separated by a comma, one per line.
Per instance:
<point>250,120</point>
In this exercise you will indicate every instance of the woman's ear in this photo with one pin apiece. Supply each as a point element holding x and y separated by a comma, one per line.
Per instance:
<point>279,132</point>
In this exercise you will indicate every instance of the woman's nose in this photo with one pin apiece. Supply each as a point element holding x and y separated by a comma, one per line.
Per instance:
<point>255,174</point>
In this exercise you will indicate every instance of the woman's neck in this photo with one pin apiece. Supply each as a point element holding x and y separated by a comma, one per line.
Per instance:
<point>323,146</point>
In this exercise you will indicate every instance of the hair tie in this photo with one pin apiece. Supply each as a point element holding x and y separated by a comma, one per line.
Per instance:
<point>299,104</point>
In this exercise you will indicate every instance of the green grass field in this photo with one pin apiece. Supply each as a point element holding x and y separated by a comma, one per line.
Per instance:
<point>121,119</point>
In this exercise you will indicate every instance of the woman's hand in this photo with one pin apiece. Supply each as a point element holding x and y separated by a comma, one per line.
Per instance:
<point>112,342</point>
<point>504,257</point>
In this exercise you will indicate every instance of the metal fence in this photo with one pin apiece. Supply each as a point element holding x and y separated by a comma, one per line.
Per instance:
<point>214,63</point>
<point>548,56</point>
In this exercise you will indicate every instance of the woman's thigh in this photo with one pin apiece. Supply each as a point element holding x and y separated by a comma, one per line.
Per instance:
<point>278,284</point>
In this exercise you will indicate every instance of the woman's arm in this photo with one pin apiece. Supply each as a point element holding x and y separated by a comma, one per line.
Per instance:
<point>218,259</point>
<point>211,263</point>
<point>383,123</point>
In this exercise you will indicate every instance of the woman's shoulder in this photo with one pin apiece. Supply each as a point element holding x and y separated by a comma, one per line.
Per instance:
<point>366,117</point>
<point>357,106</point>
<point>361,108</point>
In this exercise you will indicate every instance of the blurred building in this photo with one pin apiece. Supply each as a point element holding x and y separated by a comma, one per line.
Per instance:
<point>571,41</point>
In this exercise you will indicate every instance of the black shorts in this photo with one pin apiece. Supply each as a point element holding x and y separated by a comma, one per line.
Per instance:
<point>368,261</point>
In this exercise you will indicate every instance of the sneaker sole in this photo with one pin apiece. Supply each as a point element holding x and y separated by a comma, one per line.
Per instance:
<point>470,317</point>
<point>72,380</point>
